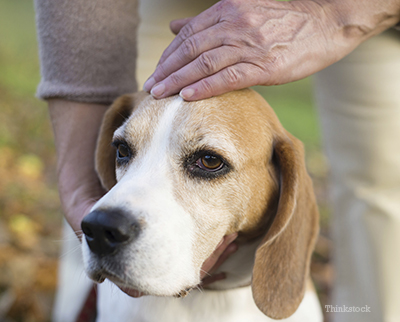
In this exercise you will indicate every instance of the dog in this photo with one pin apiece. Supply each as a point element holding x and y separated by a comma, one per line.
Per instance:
<point>180,176</point>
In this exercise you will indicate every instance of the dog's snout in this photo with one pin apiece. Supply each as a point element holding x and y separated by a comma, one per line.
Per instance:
<point>107,230</point>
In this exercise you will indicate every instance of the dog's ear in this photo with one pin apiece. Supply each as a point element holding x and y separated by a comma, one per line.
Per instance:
<point>115,116</point>
<point>282,261</point>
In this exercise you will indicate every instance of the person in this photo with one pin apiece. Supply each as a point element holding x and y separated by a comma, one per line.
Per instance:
<point>88,52</point>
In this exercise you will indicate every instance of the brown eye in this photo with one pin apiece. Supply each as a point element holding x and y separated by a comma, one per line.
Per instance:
<point>122,151</point>
<point>210,163</point>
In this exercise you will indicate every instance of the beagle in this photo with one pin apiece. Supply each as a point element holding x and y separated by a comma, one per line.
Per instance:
<point>180,176</point>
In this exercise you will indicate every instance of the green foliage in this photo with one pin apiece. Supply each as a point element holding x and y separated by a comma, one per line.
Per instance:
<point>293,103</point>
<point>18,49</point>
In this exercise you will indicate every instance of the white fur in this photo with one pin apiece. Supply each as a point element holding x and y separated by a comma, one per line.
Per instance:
<point>235,305</point>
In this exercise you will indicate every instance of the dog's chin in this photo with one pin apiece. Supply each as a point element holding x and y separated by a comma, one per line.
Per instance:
<point>99,276</point>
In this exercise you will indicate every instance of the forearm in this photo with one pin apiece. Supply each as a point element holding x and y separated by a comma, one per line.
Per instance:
<point>87,49</point>
<point>346,24</point>
<point>76,127</point>
<point>360,20</point>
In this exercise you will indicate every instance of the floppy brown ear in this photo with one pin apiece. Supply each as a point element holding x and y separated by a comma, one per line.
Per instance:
<point>115,116</point>
<point>282,260</point>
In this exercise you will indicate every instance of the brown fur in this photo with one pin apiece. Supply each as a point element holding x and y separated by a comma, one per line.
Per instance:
<point>115,116</point>
<point>277,194</point>
<point>282,261</point>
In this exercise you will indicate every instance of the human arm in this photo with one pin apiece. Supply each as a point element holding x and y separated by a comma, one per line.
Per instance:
<point>241,43</point>
<point>76,126</point>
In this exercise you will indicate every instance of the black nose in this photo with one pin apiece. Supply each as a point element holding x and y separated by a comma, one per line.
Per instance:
<point>107,230</point>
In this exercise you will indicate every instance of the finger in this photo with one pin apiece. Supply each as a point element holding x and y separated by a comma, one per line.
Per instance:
<point>189,50</point>
<point>209,263</point>
<point>208,63</point>
<point>212,279</point>
<point>232,248</point>
<point>234,77</point>
<point>176,25</point>
<point>201,22</point>
<point>183,49</point>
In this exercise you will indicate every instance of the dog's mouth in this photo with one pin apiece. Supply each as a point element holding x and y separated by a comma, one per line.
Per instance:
<point>103,274</point>
<point>184,293</point>
<point>97,277</point>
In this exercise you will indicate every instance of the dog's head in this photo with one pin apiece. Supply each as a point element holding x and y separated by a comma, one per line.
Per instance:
<point>180,176</point>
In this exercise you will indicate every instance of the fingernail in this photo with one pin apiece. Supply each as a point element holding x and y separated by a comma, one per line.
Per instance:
<point>231,237</point>
<point>220,243</point>
<point>228,238</point>
<point>186,93</point>
<point>158,90</point>
<point>149,84</point>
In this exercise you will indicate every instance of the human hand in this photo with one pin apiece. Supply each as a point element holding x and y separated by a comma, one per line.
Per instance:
<point>225,248</point>
<point>241,43</point>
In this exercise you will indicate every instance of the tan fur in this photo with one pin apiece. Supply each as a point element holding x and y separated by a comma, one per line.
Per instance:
<point>268,193</point>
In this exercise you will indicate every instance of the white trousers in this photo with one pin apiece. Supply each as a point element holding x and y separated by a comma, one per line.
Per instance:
<point>359,105</point>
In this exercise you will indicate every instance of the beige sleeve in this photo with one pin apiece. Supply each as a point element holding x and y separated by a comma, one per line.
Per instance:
<point>87,49</point>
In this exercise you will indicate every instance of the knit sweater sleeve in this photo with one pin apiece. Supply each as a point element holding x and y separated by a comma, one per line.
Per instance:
<point>87,49</point>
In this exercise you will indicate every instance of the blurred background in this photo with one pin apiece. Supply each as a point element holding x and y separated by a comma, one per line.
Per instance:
<point>30,216</point>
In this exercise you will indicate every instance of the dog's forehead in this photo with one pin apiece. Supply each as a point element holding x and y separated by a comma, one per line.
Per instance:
<point>233,118</point>
<point>236,120</point>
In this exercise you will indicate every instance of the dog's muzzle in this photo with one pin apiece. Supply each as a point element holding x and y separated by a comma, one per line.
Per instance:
<point>107,230</point>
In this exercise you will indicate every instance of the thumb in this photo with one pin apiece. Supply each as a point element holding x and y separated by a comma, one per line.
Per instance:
<point>176,25</point>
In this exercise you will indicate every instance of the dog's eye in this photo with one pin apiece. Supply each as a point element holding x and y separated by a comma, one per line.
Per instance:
<point>210,163</point>
<point>206,164</point>
<point>122,151</point>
